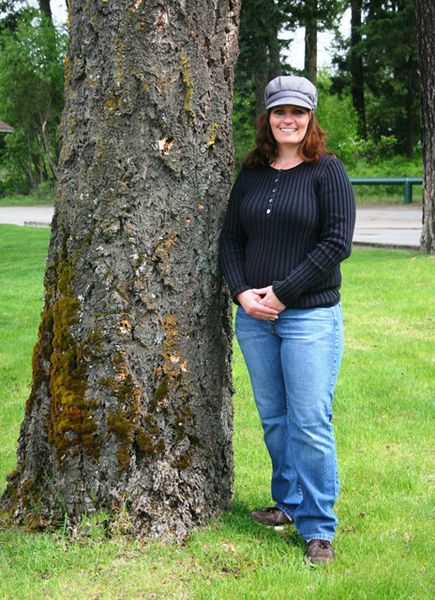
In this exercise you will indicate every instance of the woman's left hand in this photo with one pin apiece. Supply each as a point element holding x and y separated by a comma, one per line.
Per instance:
<point>269,298</point>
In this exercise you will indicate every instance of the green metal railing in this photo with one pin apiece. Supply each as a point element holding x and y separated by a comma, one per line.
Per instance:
<point>407,183</point>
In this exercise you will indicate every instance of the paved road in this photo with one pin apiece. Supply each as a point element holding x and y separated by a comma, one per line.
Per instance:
<point>392,226</point>
<point>26,215</point>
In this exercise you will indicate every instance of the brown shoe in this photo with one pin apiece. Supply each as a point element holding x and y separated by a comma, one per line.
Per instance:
<point>271,516</point>
<point>319,551</point>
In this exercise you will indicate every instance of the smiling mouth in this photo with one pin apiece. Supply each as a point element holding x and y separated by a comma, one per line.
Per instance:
<point>287,130</point>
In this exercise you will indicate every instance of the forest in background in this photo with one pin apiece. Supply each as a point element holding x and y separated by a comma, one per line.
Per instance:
<point>369,100</point>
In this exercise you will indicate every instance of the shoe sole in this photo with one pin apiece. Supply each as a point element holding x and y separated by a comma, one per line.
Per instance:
<point>314,563</point>
<point>278,525</point>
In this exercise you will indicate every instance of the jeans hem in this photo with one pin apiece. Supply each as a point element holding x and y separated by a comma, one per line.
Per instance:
<point>285,511</point>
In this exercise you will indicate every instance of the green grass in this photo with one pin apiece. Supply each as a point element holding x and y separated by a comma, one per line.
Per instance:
<point>378,195</point>
<point>383,420</point>
<point>21,200</point>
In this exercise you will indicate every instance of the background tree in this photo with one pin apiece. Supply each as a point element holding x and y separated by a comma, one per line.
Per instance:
<point>130,404</point>
<point>45,8</point>
<point>260,56</point>
<point>310,21</point>
<point>425,17</point>
<point>260,59</point>
<point>9,12</point>
<point>31,98</point>
<point>391,71</point>
<point>388,51</point>
<point>356,67</point>
<point>314,16</point>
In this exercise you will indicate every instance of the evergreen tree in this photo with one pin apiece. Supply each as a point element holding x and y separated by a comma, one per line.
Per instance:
<point>31,98</point>
<point>260,56</point>
<point>315,16</point>
<point>10,11</point>
<point>385,90</point>
<point>357,68</point>
<point>391,72</point>
<point>260,59</point>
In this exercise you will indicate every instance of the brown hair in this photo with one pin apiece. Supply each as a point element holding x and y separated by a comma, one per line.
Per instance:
<point>312,148</point>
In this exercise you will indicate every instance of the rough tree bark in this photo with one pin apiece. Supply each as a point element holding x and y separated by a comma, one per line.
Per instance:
<point>130,408</point>
<point>425,19</point>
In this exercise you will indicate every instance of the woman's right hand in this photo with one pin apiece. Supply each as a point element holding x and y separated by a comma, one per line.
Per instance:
<point>249,301</point>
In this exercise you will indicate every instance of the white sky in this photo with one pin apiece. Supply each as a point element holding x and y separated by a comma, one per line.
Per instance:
<point>324,43</point>
<point>58,9</point>
<point>296,50</point>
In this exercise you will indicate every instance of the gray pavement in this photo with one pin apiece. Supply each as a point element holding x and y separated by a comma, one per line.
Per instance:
<point>396,226</point>
<point>391,226</point>
<point>37,216</point>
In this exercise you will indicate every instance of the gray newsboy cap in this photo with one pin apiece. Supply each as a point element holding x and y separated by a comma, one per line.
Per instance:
<point>290,89</point>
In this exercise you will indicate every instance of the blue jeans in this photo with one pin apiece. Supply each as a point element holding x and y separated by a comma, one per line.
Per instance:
<point>293,364</point>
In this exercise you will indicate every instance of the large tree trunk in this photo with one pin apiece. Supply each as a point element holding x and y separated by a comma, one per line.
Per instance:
<point>357,71</point>
<point>425,18</point>
<point>130,408</point>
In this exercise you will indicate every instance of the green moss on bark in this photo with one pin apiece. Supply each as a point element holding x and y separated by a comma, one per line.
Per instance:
<point>41,353</point>
<point>123,421</point>
<point>188,88</point>
<point>71,424</point>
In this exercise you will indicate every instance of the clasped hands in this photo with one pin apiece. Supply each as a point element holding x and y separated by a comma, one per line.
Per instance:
<point>261,303</point>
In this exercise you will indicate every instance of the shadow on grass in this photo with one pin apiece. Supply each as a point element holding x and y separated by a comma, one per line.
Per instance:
<point>237,520</point>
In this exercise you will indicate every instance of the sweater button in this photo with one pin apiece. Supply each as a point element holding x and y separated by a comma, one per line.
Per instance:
<point>268,211</point>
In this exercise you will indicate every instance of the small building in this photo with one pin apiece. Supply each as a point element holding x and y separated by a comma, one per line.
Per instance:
<point>5,128</point>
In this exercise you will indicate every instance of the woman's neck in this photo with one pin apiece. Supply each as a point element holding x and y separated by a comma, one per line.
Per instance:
<point>287,158</point>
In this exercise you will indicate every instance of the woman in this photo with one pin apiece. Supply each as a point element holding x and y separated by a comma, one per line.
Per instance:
<point>288,226</point>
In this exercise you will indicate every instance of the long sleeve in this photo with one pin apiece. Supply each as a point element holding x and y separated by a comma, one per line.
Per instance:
<point>337,220</point>
<point>232,242</point>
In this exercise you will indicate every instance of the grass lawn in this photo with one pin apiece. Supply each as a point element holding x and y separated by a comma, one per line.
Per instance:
<point>383,422</point>
<point>371,198</point>
<point>27,200</point>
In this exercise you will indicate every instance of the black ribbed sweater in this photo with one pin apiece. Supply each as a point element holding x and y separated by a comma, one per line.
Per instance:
<point>289,228</point>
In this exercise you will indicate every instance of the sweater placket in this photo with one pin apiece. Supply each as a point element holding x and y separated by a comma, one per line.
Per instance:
<point>273,194</point>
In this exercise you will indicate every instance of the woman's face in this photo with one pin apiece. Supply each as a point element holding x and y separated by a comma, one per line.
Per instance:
<point>289,124</point>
